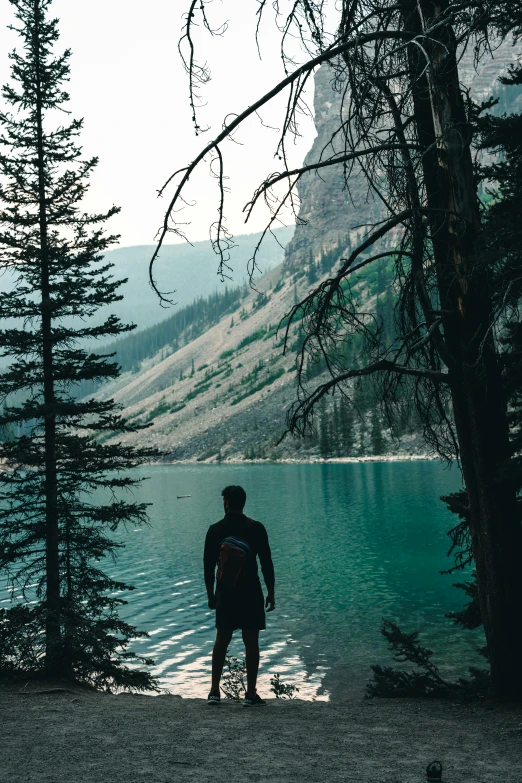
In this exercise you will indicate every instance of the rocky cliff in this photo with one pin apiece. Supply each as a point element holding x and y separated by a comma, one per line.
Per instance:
<point>224,395</point>
<point>331,208</point>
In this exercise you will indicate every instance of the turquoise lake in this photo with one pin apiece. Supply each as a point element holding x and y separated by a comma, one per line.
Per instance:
<point>351,544</point>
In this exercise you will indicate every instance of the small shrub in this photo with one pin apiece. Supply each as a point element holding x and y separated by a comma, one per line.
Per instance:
<point>282,690</point>
<point>261,300</point>
<point>21,641</point>
<point>233,682</point>
<point>425,680</point>
<point>271,332</point>
<point>251,338</point>
<point>211,373</point>
<point>269,379</point>
<point>161,408</point>
<point>196,391</point>
<point>234,678</point>
<point>202,382</point>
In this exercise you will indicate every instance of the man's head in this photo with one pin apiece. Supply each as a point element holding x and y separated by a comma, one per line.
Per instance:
<point>234,498</point>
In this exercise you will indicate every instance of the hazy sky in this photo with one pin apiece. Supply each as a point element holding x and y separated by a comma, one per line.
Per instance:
<point>129,86</point>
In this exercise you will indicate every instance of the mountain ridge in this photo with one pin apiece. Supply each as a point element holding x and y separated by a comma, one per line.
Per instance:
<point>224,395</point>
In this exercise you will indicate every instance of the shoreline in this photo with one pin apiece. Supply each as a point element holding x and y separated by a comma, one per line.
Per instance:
<point>309,461</point>
<point>290,460</point>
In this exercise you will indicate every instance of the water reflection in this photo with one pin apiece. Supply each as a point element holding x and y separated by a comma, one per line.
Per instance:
<point>351,544</point>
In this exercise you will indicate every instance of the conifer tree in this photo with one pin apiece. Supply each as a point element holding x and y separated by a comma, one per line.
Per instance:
<point>336,433</point>
<point>363,437</point>
<point>501,250</point>
<point>59,497</point>
<point>377,438</point>
<point>324,432</point>
<point>381,281</point>
<point>347,419</point>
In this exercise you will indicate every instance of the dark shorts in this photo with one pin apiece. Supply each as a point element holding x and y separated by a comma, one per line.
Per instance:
<point>243,609</point>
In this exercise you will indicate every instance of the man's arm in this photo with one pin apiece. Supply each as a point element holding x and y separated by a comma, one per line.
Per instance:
<point>267,567</point>
<point>209,567</point>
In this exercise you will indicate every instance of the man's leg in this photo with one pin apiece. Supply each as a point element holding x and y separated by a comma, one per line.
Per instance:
<point>251,640</point>
<point>219,653</point>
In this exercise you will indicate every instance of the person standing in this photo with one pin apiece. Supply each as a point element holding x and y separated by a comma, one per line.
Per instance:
<point>232,545</point>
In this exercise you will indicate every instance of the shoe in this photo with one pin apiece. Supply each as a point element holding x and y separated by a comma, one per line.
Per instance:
<point>254,701</point>
<point>213,698</point>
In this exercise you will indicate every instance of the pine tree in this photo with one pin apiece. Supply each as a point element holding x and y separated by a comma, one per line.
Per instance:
<point>377,439</point>
<point>312,269</point>
<point>7,431</point>
<point>336,431</point>
<point>324,431</point>
<point>381,280</point>
<point>59,498</point>
<point>347,424</point>
<point>364,448</point>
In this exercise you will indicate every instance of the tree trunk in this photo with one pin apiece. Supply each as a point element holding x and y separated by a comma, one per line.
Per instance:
<point>53,642</point>
<point>478,398</point>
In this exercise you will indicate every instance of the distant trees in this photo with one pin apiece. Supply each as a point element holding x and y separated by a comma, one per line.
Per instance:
<point>60,483</point>
<point>340,428</point>
<point>409,125</point>
<point>180,328</point>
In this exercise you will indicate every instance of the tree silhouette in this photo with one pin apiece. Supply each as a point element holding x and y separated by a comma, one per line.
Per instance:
<point>60,494</point>
<point>407,124</point>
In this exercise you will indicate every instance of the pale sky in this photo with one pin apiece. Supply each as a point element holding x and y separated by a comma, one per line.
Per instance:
<point>129,86</point>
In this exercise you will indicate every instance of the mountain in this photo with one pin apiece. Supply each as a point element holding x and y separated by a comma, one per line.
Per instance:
<point>223,394</point>
<point>189,270</point>
<point>334,211</point>
<point>216,384</point>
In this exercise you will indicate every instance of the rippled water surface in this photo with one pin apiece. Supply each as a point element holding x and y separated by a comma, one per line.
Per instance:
<point>351,544</point>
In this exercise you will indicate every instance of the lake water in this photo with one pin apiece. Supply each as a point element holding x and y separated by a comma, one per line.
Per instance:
<point>351,544</point>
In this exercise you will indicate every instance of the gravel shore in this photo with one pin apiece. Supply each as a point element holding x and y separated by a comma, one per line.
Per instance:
<point>78,736</point>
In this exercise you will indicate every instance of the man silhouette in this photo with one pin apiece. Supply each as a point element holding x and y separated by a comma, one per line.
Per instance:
<point>238,605</point>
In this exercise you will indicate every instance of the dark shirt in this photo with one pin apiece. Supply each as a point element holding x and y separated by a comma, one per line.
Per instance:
<point>254,533</point>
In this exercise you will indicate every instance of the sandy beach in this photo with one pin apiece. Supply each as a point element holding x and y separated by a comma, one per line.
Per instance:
<point>78,736</point>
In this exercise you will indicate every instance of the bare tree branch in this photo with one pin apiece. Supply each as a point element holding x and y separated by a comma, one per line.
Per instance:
<point>302,72</point>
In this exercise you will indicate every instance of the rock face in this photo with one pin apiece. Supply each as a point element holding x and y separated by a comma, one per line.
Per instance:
<point>332,206</point>
<point>232,404</point>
